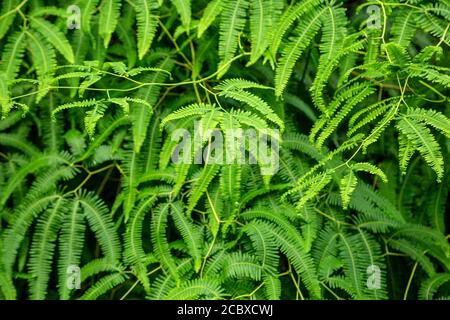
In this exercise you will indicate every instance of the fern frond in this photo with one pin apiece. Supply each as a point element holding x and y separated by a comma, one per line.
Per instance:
<point>347,185</point>
<point>190,232</point>
<point>431,117</point>
<point>54,36</point>
<point>45,61</point>
<point>70,245</point>
<point>103,285</point>
<point>304,33</point>
<point>183,8</point>
<point>288,18</point>
<point>192,110</point>
<point>230,182</point>
<point>300,260</point>
<point>436,206</point>
<point>430,286</point>
<point>241,265</point>
<point>430,73</point>
<point>200,186</point>
<point>403,28</point>
<point>265,249</point>
<point>212,10</point>
<point>133,244</point>
<point>159,239</point>
<point>7,288</point>
<point>369,168</point>
<point>260,23</point>
<point>232,22</point>
<point>12,55</point>
<point>42,160</point>
<point>16,231</point>
<point>415,253</point>
<point>101,224</point>
<point>146,26</point>
<point>272,286</point>
<point>256,103</point>
<point>43,247</point>
<point>196,289</point>
<point>236,84</point>
<point>140,114</point>
<point>88,8</point>
<point>7,14</point>
<point>343,112</point>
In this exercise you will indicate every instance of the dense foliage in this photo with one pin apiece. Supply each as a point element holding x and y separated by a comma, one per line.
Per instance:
<point>92,93</point>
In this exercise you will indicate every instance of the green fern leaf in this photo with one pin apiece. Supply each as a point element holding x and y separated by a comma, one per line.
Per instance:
<point>71,245</point>
<point>102,225</point>
<point>45,61</point>
<point>431,285</point>
<point>304,33</point>
<point>54,36</point>
<point>212,10</point>
<point>43,247</point>
<point>160,244</point>
<point>232,22</point>
<point>12,55</point>
<point>288,18</point>
<point>190,232</point>
<point>103,285</point>
<point>184,10</point>
<point>347,185</point>
<point>260,23</point>
<point>7,15</point>
<point>196,289</point>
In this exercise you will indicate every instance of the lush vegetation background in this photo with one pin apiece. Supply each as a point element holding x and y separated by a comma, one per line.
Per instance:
<point>91,91</point>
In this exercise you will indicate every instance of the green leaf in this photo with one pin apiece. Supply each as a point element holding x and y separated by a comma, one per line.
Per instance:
<point>109,17</point>
<point>54,36</point>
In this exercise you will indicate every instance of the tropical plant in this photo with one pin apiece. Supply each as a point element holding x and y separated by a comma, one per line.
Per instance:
<point>353,95</point>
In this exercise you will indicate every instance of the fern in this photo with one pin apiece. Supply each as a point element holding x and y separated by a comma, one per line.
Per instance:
<point>323,140</point>
<point>421,139</point>
<point>231,24</point>
<point>146,24</point>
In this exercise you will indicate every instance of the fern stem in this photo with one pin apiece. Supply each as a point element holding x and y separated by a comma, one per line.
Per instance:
<point>410,280</point>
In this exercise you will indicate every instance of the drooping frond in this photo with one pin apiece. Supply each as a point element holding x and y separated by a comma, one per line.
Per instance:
<point>429,287</point>
<point>96,213</point>
<point>43,248</point>
<point>159,239</point>
<point>7,13</point>
<point>12,55</point>
<point>183,8</point>
<point>109,16</point>
<point>196,289</point>
<point>190,232</point>
<point>303,35</point>
<point>212,10</point>
<point>420,137</point>
<point>146,26</point>
<point>70,245</point>
<point>54,36</point>
<point>232,22</point>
